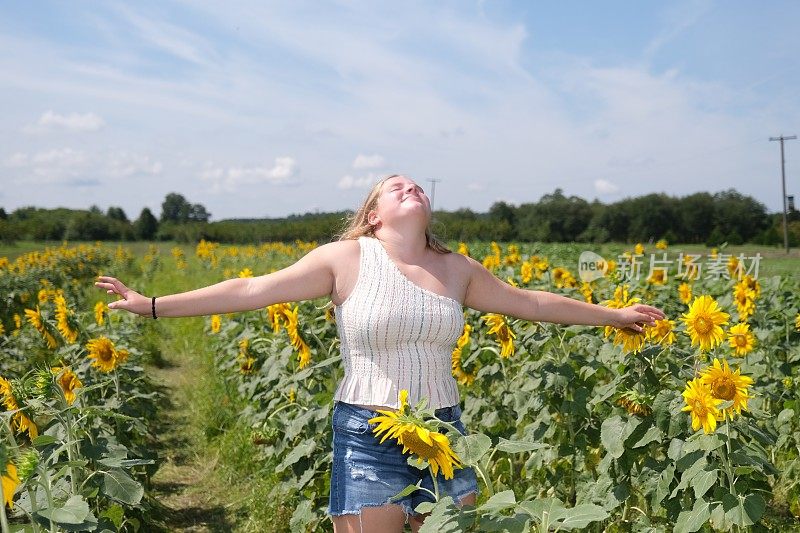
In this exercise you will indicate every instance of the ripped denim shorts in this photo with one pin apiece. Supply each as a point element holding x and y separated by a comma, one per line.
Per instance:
<point>368,474</point>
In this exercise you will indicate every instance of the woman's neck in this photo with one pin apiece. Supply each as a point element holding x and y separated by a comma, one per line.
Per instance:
<point>408,246</point>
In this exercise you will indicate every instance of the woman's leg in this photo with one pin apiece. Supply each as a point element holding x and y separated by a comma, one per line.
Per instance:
<point>386,518</point>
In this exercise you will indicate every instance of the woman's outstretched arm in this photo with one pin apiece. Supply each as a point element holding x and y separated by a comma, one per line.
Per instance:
<point>487,293</point>
<point>310,277</point>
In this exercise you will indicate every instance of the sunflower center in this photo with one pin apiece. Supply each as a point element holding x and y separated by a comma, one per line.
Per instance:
<point>703,325</point>
<point>723,388</point>
<point>699,408</point>
<point>105,354</point>
<point>740,340</point>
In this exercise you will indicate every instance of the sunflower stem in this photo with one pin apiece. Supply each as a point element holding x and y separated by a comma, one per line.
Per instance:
<point>435,484</point>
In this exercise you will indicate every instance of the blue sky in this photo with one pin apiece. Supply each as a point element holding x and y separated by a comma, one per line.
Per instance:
<point>258,109</point>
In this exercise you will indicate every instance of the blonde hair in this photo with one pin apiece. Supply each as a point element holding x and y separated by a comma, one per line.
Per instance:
<point>358,223</point>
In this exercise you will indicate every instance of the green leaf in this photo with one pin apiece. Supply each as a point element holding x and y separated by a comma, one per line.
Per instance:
<point>405,492</point>
<point>704,481</point>
<point>472,447</point>
<point>543,509</point>
<point>611,435</point>
<point>743,510</point>
<point>662,487</point>
<point>517,446</point>
<point>500,501</point>
<point>119,486</point>
<point>43,440</point>
<point>690,521</point>
<point>302,516</point>
<point>303,449</point>
<point>115,513</point>
<point>74,515</point>
<point>653,435</point>
<point>582,515</point>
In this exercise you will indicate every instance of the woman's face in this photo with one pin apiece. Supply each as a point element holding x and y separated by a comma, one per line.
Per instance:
<point>401,197</point>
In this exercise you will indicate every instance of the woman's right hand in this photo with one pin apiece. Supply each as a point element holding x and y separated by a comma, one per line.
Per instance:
<point>131,300</point>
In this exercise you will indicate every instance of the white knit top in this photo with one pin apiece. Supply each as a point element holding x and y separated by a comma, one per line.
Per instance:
<point>395,335</point>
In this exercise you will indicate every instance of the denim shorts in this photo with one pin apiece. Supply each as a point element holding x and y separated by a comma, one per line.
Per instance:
<point>368,474</point>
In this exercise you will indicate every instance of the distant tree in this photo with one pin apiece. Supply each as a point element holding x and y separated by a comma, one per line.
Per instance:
<point>95,210</point>
<point>116,213</point>
<point>146,225</point>
<point>3,215</point>
<point>175,208</point>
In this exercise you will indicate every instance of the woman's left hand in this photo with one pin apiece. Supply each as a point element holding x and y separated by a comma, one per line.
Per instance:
<point>636,316</point>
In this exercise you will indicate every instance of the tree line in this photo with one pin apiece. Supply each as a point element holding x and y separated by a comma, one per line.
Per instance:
<point>711,219</point>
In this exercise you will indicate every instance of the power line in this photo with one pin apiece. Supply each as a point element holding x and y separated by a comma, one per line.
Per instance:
<point>783,182</point>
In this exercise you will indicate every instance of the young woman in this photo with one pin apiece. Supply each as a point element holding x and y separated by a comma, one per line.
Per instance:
<point>398,296</point>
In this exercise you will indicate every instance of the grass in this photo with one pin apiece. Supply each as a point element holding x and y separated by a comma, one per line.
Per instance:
<point>208,480</point>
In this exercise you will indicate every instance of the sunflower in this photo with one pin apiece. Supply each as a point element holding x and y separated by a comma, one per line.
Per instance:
<point>491,262</point>
<point>459,373</point>
<point>741,339</point>
<point>526,272</point>
<point>635,403</point>
<point>661,244</point>
<point>463,249</point>
<point>246,273</point>
<point>62,320</point>
<point>499,327</point>
<point>106,356</point>
<point>631,341</point>
<point>563,278</point>
<point>704,321</point>
<point>658,277</point>
<point>586,290</point>
<point>734,267</point>
<point>36,320</point>
<point>702,405</point>
<point>303,350</point>
<point>685,292</point>
<point>751,283</point>
<point>2,329</point>
<point>417,437</point>
<point>100,312</point>
<point>247,365</point>
<point>662,332</point>
<point>216,323</point>
<point>68,382</point>
<point>19,420</point>
<point>10,482</point>
<point>638,249</point>
<point>727,386</point>
<point>745,298</point>
<point>277,315</point>
<point>797,322</point>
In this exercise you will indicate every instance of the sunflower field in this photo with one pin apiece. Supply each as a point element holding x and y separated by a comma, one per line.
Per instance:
<point>692,425</point>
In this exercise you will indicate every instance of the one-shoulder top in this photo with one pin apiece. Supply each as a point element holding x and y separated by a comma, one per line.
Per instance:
<point>395,335</point>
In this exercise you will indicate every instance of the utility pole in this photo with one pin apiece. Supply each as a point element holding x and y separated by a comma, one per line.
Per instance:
<point>783,181</point>
<point>433,181</point>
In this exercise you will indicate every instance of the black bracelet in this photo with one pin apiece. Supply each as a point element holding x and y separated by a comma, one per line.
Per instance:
<point>154,307</point>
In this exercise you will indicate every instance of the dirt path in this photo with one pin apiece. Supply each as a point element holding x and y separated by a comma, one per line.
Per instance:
<point>180,487</point>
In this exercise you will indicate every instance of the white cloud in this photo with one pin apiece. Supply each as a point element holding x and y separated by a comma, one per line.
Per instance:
<point>284,171</point>
<point>125,164</point>
<point>75,122</point>
<point>349,182</point>
<point>369,161</point>
<point>65,165</point>
<point>602,186</point>
<point>475,186</point>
